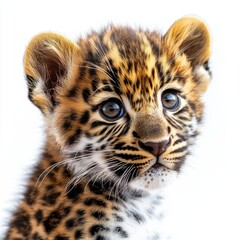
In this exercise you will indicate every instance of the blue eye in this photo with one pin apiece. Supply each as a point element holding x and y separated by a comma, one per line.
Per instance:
<point>170,100</point>
<point>112,109</point>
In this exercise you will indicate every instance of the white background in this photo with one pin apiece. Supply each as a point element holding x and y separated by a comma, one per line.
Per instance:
<point>204,202</point>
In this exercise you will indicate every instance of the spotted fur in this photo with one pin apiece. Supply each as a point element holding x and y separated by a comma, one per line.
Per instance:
<point>99,178</point>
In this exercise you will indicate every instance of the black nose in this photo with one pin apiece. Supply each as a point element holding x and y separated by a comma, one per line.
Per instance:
<point>155,148</point>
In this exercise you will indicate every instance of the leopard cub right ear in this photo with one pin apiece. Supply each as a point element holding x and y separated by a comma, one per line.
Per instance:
<point>190,36</point>
<point>48,61</point>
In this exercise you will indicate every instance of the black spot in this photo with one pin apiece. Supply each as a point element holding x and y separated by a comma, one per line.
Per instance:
<point>177,142</point>
<point>67,125</point>
<point>49,187</point>
<point>73,92</point>
<point>73,116</point>
<point>36,236</point>
<point>88,149</point>
<point>70,223</point>
<point>119,145</point>
<point>153,73</point>
<point>121,232</point>
<point>115,208</point>
<point>139,218</point>
<point>171,62</point>
<point>155,46</point>
<point>97,228</point>
<point>47,155</point>
<point>125,130</point>
<point>52,177</point>
<point>89,201</point>
<point>66,172</point>
<point>98,215</point>
<point>31,85</point>
<point>135,134</point>
<point>160,72</point>
<point>60,237</point>
<point>184,118</point>
<point>94,85</point>
<point>169,130</point>
<point>78,234</point>
<point>155,237</point>
<point>137,83</point>
<point>92,57</point>
<point>168,77</point>
<point>100,123</point>
<point>74,137</point>
<point>66,211</point>
<point>52,221</point>
<point>179,150</point>
<point>31,196</point>
<point>130,66</point>
<point>75,192</point>
<point>126,81</point>
<point>102,147</point>
<point>86,94</point>
<point>102,131</point>
<point>82,72</point>
<point>105,82</point>
<point>97,187</point>
<point>85,117</point>
<point>100,237</point>
<point>118,218</point>
<point>21,223</point>
<point>107,89</point>
<point>184,138</point>
<point>127,156</point>
<point>95,201</point>
<point>80,212</point>
<point>95,108</point>
<point>31,81</point>
<point>131,148</point>
<point>92,71</point>
<point>192,105</point>
<point>51,198</point>
<point>183,110</point>
<point>39,216</point>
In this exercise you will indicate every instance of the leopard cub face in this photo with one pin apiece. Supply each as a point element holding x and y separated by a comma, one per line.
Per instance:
<point>123,105</point>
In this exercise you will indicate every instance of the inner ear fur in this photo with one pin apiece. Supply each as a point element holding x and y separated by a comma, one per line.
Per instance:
<point>190,36</point>
<point>47,61</point>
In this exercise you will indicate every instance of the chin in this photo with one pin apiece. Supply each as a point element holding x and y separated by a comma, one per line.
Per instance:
<point>153,179</point>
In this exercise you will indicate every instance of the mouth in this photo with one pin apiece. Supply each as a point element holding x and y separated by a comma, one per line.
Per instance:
<point>157,165</point>
<point>161,163</point>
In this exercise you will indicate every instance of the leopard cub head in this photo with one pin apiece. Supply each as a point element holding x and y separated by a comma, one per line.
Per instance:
<point>123,105</point>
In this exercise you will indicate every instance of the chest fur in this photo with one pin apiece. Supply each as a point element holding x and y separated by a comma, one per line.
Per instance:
<point>136,219</point>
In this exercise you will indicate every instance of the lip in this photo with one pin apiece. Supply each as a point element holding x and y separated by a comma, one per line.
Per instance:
<point>157,165</point>
<point>160,163</point>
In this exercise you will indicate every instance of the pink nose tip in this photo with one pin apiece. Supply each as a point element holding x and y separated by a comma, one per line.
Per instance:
<point>156,148</point>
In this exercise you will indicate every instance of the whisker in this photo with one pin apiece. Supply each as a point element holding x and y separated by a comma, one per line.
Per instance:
<point>44,174</point>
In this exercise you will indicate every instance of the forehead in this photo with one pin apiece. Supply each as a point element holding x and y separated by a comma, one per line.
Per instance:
<point>136,64</point>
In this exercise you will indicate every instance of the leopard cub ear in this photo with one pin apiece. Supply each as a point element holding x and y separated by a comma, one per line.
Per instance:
<point>190,35</point>
<point>48,62</point>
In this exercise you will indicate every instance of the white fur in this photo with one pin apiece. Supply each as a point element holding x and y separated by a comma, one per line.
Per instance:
<point>151,210</point>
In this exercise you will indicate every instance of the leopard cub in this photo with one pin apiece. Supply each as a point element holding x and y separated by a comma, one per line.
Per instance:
<point>121,107</point>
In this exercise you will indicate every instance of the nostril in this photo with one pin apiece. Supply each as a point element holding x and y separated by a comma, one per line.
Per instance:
<point>155,148</point>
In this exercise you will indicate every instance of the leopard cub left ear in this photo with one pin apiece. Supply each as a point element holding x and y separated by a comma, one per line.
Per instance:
<point>49,62</point>
<point>190,36</point>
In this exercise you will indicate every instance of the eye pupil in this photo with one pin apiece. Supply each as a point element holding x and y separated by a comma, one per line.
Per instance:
<point>170,100</point>
<point>111,109</point>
